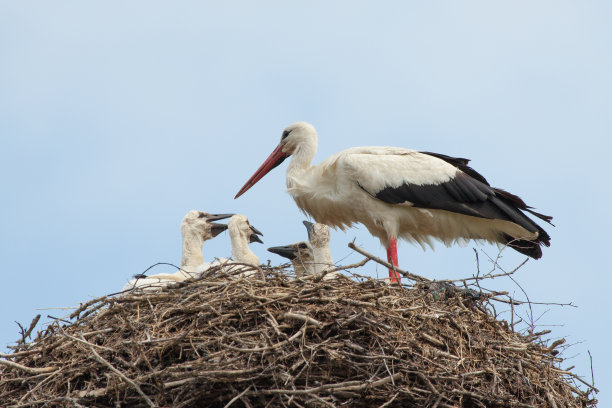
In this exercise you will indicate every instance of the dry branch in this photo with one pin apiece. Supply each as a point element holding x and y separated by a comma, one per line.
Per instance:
<point>28,370</point>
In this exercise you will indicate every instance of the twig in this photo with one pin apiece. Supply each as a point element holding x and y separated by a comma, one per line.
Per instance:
<point>27,333</point>
<point>406,274</point>
<point>351,266</point>
<point>574,376</point>
<point>520,302</point>
<point>237,397</point>
<point>386,404</point>
<point>592,375</point>
<point>478,278</point>
<point>551,400</point>
<point>29,370</point>
<point>477,270</point>
<point>308,319</point>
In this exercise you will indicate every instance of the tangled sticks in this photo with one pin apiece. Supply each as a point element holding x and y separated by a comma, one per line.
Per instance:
<point>224,341</point>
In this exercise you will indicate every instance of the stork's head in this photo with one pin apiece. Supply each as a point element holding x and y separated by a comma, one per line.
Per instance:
<point>299,250</point>
<point>296,137</point>
<point>318,234</point>
<point>200,223</point>
<point>239,226</point>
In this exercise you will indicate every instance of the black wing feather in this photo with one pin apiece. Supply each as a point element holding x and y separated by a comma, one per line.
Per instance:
<point>460,163</point>
<point>469,193</point>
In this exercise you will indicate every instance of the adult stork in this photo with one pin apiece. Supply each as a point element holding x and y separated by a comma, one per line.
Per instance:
<point>397,192</point>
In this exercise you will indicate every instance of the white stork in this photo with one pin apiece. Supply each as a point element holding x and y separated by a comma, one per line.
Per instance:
<point>300,255</point>
<point>397,192</point>
<point>196,228</point>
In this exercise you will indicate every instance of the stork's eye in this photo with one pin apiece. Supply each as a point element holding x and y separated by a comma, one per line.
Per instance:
<point>285,134</point>
<point>302,246</point>
<point>202,215</point>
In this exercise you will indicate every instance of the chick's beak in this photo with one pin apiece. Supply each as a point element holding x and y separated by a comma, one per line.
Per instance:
<point>286,251</point>
<point>309,226</point>
<point>216,229</point>
<point>254,236</point>
<point>216,217</point>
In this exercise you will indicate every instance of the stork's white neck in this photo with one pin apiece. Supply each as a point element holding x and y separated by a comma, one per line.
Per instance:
<point>322,258</point>
<point>301,160</point>
<point>192,251</point>
<point>301,267</point>
<point>241,251</point>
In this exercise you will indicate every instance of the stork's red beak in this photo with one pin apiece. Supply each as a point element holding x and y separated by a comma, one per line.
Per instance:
<point>271,162</point>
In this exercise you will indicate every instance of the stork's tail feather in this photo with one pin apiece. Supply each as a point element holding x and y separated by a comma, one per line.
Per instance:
<point>514,206</point>
<point>520,204</point>
<point>530,248</point>
<point>543,217</point>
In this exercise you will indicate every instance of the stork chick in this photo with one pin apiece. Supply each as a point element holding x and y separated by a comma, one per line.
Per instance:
<point>300,255</point>
<point>242,233</point>
<point>318,235</point>
<point>196,228</point>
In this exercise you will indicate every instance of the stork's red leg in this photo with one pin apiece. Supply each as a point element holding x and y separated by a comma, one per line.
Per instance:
<point>392,259</point>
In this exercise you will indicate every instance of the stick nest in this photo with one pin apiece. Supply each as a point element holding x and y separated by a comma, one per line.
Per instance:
<point>278,341</point>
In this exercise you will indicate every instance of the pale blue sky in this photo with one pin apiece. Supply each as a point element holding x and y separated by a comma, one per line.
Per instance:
<point>117,118</point>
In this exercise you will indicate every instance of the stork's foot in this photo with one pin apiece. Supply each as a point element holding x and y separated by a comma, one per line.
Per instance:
<point>394,277</point>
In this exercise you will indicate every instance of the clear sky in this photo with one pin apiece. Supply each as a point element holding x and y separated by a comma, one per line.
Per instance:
<point>116,118</point>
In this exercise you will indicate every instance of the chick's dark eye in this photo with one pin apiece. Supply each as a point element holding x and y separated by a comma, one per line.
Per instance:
<point>302,246</point>
<point>285,134</point>
<point>202,215</point>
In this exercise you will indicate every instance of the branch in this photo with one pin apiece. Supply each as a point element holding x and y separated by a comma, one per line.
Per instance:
<point>304,318</point>
<point>26,334</point>
<point>406,274</point>
<point>478,277</point>
<point>29,370</point>
<point>237,397</point>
